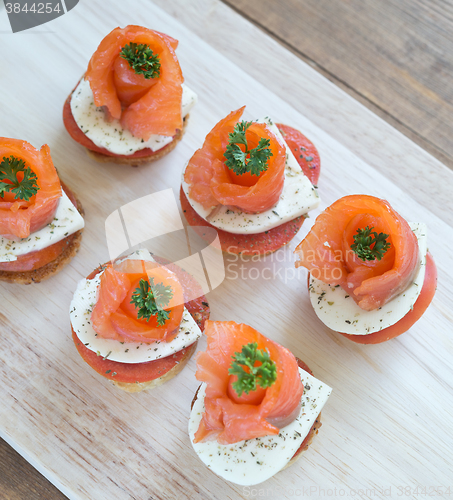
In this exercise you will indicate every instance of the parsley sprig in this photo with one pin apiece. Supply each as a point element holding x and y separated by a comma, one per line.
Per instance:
<point>141,59</point>
<point>253,160</point>
<point>264,374</point>
<point>363,241</point>
<point>23,189</point>
<point>150,300</point>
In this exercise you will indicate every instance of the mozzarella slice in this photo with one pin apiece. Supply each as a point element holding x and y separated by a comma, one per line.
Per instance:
<point>111,135</point>
<point>67,221</point>
<point>338,310</point>
<point>85,297</point>
<point>253,461</point>
<point>298,197</point>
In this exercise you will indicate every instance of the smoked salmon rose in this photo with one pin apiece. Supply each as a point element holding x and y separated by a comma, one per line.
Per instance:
<point>212,183</point>
<point>145,106</point>
<point>118,313</point>
<point>228,418</point>
<point>331,250</point>
<point>24,213</point>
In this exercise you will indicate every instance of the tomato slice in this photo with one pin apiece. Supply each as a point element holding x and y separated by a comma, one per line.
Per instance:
<point>244,244</point>
<point>39,258</point>
<point>304,151</point>
<point>420,306</point>
<point>150,370</point>
<point>128,372</point>
<point>34,260</point>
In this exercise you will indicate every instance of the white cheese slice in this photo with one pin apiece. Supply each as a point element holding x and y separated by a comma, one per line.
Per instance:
<point>85,297</point>
<point>67,221</point>
<point>338,310</point>
<point>111,135</point>
<point>255,460</point>
<point>298,197</point>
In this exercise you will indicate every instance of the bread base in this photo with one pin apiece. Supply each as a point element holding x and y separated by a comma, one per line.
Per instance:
<point>138,387</point>
<point>53,267</point>
<point>135,162</point>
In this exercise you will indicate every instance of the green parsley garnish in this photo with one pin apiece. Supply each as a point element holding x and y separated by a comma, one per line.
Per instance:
<point>141,59</point>
<point>264,374</point>
<point>254,160</point>
<point>363,241</point>
<point>24,189</point>
<point>150,300</point>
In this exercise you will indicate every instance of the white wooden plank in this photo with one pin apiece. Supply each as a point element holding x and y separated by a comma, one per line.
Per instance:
<point>388,422</point>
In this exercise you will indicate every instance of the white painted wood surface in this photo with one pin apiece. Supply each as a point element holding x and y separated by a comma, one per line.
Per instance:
<point>388,424</point>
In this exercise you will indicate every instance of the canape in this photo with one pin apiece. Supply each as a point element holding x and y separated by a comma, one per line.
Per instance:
<point>131,106</point>
<point>137,321</point>
<point>40,217</point>
<point>371,276</point>
<point>253,182</point>
<point>258,407</point>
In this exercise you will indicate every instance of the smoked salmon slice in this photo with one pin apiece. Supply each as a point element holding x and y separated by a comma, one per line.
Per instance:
<point>326,250</point>
<point>144,106</point>
<point>114,315</point>
<point>20,218</point>
<point>211,183</point>
<point>227,421</point>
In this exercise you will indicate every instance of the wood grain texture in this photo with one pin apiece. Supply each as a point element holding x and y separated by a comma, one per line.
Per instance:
<point>381,425</point>
<point>394,56</point>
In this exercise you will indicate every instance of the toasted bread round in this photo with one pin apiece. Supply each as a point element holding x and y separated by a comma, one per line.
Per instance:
<point>55,266</point>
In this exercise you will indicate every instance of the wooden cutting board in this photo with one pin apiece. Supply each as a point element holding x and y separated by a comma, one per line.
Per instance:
<point>388,424</point>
